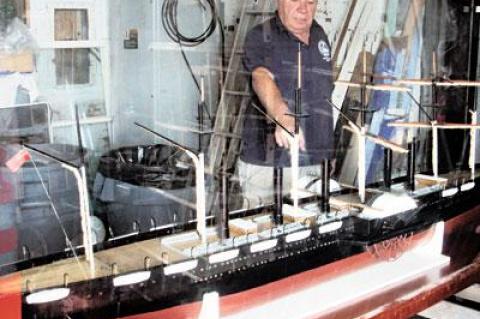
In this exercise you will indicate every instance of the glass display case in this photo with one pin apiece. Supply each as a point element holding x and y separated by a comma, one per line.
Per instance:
<point>199,158</point>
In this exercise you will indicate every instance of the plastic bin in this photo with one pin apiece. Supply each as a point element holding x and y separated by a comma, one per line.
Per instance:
<point>131,185</point>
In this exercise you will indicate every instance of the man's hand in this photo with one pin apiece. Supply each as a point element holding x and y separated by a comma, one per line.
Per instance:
<point>333,166</point>
<point>282,138</point>
<point>269,94</point>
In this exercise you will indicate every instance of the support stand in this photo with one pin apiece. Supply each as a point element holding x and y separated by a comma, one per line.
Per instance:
<point>473,142</point>
<point>278,197</point>
<point>224,232</point>
<point>411,165</point>
<point>387,168</point>
<point>325,204</point>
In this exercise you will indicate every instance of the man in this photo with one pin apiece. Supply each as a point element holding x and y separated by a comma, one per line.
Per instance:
<point>271,51</point>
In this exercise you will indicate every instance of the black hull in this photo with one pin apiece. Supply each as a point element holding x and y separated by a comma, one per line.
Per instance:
<point>100,299</point>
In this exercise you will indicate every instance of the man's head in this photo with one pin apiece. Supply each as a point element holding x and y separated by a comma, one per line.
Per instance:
<point>297,15</point>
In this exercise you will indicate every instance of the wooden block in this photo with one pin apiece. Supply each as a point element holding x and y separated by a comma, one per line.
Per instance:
<point>428,180</point>
<point>21,62</point>
<point>263,222</point>
<point>239,227</point>
<point>299,215</point>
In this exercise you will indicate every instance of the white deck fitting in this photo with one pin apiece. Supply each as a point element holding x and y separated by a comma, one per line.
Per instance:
<point>389,204</point>
<point>210,306</point>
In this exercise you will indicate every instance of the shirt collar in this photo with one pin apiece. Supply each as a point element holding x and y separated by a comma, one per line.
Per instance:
<point>279,23</point>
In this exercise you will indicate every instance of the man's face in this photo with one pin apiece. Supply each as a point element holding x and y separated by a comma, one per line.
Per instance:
<point>297,15</point>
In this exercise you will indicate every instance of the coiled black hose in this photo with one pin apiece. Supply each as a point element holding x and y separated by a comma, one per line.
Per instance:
<point>170,23</point>
<point>171,26</point>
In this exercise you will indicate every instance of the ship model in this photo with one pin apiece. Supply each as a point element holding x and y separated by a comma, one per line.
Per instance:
<point>170,267</point>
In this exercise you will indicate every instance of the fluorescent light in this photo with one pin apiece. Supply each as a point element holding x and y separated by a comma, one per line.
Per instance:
<point>47,295</point>
<point>132,278</point>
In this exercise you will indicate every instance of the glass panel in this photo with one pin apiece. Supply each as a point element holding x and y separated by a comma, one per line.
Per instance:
<point>165,89</point>
<point>42,201</point>
<point>72,66</point>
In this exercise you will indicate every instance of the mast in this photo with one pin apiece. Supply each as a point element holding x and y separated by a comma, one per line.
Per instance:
<point>295,147</point>
<point>198,159</point>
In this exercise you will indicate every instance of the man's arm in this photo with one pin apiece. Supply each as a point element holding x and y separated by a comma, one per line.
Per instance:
<point>267,91</point>
<point>271,98</point>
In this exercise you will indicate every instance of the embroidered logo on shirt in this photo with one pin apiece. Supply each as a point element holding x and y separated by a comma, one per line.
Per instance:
<point>324,51</point>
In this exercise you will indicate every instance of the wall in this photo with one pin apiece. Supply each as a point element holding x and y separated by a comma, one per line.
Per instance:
<point>331,15</point>
<point>176,95</point>
<point>152,84</point>
<point>131,70</point>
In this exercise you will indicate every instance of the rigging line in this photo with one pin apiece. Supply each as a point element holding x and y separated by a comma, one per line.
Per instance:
<point>195,80</point>
<point>69,243</point>
<point>466,137</point>
<point>420,107</point>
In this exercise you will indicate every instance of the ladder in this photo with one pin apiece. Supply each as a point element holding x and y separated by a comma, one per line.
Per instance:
<point>236,93</point>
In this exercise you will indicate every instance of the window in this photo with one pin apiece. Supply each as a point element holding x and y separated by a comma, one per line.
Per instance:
<point>72,65</point>
<point>71,25</point>
<point>14,8</point>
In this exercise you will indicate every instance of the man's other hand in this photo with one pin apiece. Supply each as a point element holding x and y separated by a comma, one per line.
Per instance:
<point>282,138</point>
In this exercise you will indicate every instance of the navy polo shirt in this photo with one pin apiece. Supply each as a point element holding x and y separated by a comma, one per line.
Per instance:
<point>272,46</point>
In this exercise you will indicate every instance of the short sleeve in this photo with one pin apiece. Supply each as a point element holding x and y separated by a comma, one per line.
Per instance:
<point>257,47</point>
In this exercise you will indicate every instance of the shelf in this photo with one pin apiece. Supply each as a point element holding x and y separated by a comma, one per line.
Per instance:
<point>87,121</point>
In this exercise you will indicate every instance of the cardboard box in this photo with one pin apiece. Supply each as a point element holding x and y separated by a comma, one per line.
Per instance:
<point>239,227</point>
<point>21,62</point>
